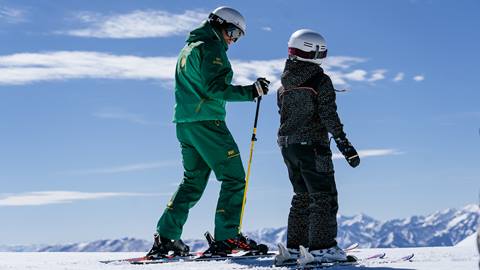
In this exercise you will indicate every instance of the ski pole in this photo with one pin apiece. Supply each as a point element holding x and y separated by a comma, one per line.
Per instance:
<point>252,143</point>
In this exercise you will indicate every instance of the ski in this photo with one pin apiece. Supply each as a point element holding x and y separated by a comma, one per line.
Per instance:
<point>405,258</point>
<point>192,258</point>
<point>351,261</point>
<point>305,260</point>
<point>138,260</point>
<point>376,259</point>
<point>375,256</point>
<point>351,247</point>
<point>198,256</point>
<point>143,259</point>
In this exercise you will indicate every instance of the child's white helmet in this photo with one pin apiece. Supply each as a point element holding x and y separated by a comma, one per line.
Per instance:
<point>307,45</point>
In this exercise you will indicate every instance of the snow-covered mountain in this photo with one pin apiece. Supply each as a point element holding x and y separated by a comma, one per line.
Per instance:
<point>117,245</point>
<point>443,228</point>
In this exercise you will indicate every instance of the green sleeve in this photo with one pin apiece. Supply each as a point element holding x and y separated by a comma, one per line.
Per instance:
<point>217,75</point>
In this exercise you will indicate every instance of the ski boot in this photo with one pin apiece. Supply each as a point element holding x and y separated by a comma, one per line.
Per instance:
<point>164,247</point>
<point>233,245</point>
<point>286,256</point>
<point>327,255</point>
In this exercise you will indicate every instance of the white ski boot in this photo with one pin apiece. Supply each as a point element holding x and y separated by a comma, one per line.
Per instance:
<point>286,256</point>
<point>328,255</point>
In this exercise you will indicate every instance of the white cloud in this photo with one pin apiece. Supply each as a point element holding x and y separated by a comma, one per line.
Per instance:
<point>337,76</point>
<point>59,197</point>
<point>377,75</point>
<point>125,168</point>
<point>343,62</point>
<point>118,114</point>
<point>267,28</point>
<point>138,24</point>
<point>24,68</point>
<point>399,77</point>
<point>371,153</point>
<point>337,67</point>
<point>419,78</point>
<point>246,72</point>
<point>356,75</point>
<point>12,15</point>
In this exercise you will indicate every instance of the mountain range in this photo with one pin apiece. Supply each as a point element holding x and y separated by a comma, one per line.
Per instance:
<point>442,228</point>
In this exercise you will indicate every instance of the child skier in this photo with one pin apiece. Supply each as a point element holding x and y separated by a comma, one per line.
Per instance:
<point>308,112</point>
<point>202,87</point>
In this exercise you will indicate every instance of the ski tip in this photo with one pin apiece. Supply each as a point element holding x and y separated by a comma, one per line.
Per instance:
<point>408,257</point>
<point>352,247</point>
<point>130,260</point>
<point>377,256</point>
<point>351,259</point>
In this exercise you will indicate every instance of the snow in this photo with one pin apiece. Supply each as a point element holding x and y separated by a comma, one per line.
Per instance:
<point>437,258</point>
<point>454,222</point>
<point>473,208</point>
<point>355,219</point>
<point>390,238</point>
<point>468,242</point>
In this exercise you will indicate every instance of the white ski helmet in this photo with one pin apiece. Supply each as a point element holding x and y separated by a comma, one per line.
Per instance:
<point>307,45</point>
<point>225,17</point>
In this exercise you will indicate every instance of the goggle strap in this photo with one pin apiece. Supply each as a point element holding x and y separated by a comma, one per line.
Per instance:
<point>317,54</point>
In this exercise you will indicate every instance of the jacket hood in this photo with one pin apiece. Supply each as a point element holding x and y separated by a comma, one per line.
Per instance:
<point>298,72</point>
<point>206,32</point>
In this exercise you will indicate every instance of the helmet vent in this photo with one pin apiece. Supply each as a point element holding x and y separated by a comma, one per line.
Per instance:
<point>308,44</point>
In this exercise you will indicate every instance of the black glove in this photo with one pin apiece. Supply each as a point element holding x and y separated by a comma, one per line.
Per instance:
<point>260,87</point>
<point>347,150</point>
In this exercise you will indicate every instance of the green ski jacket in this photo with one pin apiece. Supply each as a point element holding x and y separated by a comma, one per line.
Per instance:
<point>203,78</point>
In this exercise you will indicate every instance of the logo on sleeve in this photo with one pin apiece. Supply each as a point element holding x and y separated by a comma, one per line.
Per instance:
<point>183,61</point>
<point>218,61</point>
<point>232,153</point>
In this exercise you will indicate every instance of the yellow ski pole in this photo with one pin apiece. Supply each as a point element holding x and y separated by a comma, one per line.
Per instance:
<point>252,144</point>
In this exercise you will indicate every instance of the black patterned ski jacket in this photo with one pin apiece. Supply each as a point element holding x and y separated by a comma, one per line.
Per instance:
<point>307,107</point>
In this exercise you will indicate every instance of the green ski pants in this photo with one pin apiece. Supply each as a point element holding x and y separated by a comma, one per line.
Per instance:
<point>206,146</point>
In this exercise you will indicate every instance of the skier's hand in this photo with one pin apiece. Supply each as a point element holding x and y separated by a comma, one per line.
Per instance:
<point>260,87</point>
<point>347,150</point>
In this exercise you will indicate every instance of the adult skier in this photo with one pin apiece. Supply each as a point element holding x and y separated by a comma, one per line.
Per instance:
<point>202,87</point>
<point>308,112</point>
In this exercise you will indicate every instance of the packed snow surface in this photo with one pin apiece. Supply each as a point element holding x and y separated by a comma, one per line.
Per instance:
<point>463,257</point>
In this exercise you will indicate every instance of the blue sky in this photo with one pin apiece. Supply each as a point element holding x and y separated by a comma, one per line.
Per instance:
<point>88,150</point>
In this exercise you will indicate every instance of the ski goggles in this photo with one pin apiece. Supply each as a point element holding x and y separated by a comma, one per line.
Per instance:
<point>233,32</point>
<point>307,55</point>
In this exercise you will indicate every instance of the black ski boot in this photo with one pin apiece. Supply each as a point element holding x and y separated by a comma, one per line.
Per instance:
<point>163,247</point>
<point>233,245</point>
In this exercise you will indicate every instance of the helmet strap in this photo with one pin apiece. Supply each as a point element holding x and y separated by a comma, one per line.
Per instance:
<point>216,21</point>
<point>317,50</point>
